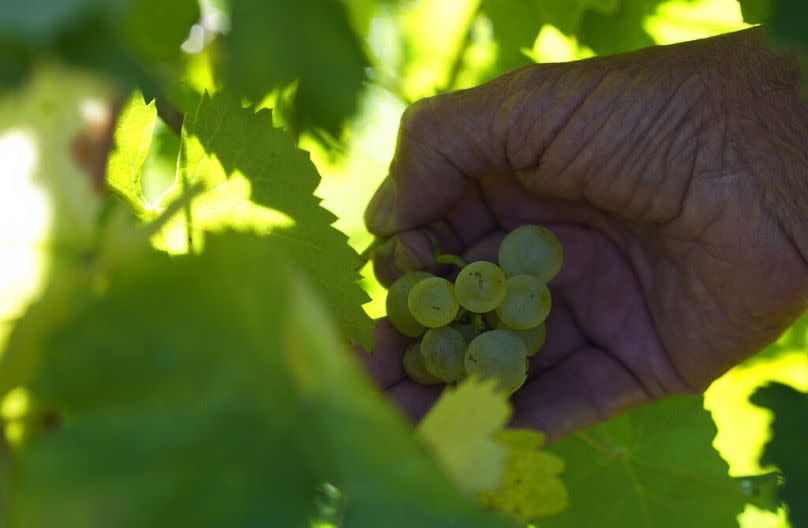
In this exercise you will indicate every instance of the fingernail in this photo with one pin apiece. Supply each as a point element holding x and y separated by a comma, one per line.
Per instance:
<point>379,214</point>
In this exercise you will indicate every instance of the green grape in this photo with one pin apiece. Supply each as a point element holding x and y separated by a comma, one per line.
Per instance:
<point>526,304</point>
<point>432,302</point>
<point>498,354</point>
<point>398,313</point>
<point>444,350</point>
<point>480,286</point>
<point>414,366</point>
<point>533,338</point>
<point>531,249</point>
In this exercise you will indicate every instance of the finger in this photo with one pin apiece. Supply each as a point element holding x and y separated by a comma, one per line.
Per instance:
<point>383,364</point>
<point>586,388</point>
<point>412,250</point>
<point>468,221</point>
<point>513,207</point>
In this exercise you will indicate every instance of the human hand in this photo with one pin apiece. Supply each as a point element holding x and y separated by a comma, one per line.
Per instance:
<point>673,177</point>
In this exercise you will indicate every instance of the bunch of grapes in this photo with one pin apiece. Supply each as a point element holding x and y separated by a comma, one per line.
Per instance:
<point>488,322</point>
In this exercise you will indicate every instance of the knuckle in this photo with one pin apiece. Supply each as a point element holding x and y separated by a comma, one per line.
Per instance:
<point>419,119</point>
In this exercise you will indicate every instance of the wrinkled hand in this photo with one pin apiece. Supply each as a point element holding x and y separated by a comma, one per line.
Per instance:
<point>673,178</point>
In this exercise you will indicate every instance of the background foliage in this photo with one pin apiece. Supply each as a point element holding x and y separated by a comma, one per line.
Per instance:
<point>181,190</point>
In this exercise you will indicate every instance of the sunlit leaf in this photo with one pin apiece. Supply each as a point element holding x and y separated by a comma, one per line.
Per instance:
<point>517,23</point>
<point>531,485</point>
<point>460,431</point>
<point>133,138</point>
<point>258,180</point>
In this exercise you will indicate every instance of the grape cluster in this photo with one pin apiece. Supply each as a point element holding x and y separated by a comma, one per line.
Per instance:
<point>488,322</point>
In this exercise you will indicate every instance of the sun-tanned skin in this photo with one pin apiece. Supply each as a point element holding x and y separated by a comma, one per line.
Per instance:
<point>676,178</point>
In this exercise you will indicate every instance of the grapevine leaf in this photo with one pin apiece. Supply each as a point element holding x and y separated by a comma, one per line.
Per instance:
<point>756,11</point>
<point>460,431</point>
<point>787,444</point>
<point>309,41</point>
<point>216,406</point>
<point>118,36</point>
<point>133,138</point>
<point>785,24</point>
<point>517,23</point>
<point>175,411</point>
<point>530,486</point>
<point>654,466</point>
<point>619,31</point>
<point>237,154</point>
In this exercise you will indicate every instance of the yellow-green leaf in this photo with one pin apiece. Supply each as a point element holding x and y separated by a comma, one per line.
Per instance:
<point>133,138</point>
<point>460,431</point>
<point>531,486</point>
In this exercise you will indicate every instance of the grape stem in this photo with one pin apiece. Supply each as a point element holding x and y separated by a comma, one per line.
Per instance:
<point>445,258</point>
<point>479,322</point>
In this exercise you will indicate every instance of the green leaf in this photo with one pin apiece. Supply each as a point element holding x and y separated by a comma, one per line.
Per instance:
<point>276,42</point>
<point>259,180</point>
<point>193,393</point>
<point>756,11</point>
<point>460,431</point>
<point>133,138</point>
<point>531,486</point>
<point>517,23</point>
<point>786,448</point>
<point>652,467</point>
<point>171,414</point>
<point>154,30</point>
<point>118,37</point>
<point>619,31</point>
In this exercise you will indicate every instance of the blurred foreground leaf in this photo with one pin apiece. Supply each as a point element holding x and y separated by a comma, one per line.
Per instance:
<point>460,431</point>
<point>120,37</point>
<point>192,391</point>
